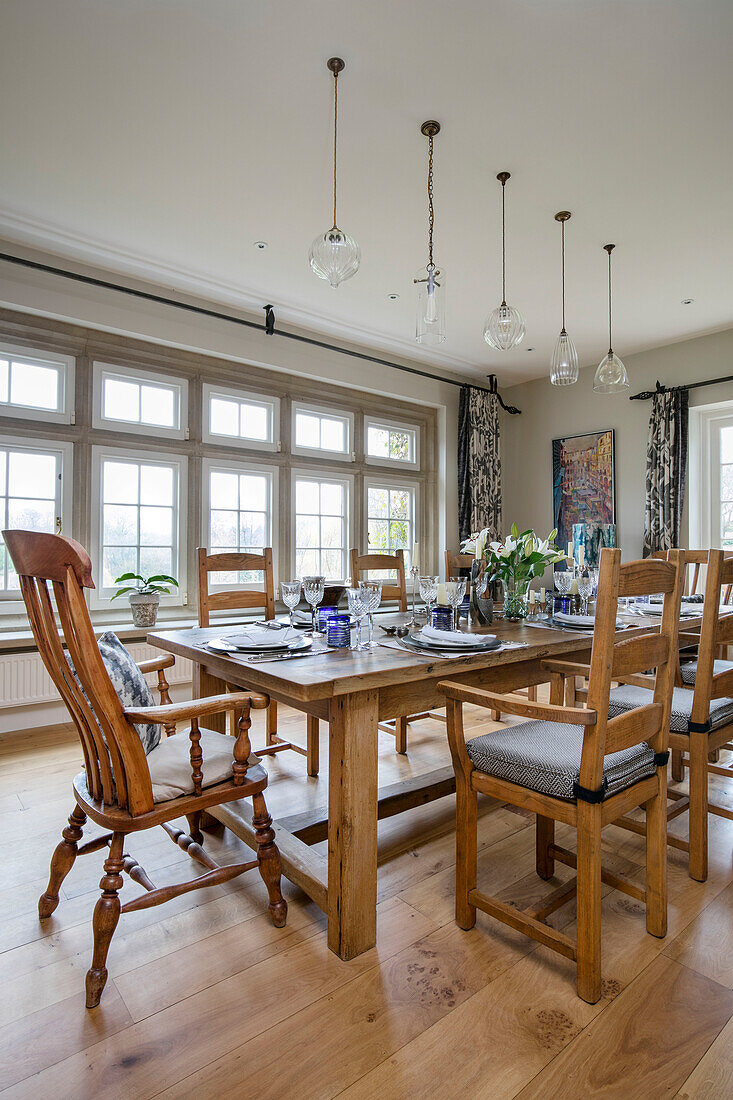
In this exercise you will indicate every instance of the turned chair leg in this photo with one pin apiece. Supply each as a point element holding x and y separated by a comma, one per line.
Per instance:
<point>104,921</point>
<point>589,901</point>
<point>698,812</point>
<point>269,860</point>
<point>271,723</point>
<point>312,745</point>
<point>194,826</point>
<point>62,861</point>
<point>466,852</point>
<point>544,837</point>
<point>678,768</point>
<point>400,735</point>
<point>656,859</point>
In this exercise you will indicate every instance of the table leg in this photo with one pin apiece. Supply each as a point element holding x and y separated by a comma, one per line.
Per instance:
<point>352,823</point>
<point>204,684</point>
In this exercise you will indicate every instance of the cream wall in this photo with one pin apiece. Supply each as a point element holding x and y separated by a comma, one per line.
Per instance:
<point>549,412</point>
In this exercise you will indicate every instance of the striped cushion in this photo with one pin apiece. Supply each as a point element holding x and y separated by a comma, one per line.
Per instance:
<point>545,756</point>
<point>689,671</point>
<point>626,698</point>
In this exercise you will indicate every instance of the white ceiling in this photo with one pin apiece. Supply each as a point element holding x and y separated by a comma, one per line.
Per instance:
<point>163,137</point>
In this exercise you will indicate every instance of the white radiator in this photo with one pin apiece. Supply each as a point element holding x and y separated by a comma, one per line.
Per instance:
<point>24,681</point>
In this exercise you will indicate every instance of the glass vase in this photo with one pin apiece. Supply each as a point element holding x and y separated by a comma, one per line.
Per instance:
<point>515,599</point>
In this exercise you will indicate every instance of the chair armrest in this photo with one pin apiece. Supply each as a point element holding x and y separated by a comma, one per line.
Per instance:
<point>567,668</point>
<point>197,708</point>
<point>574,716</point>
<point>637,679</point>
<point>157,664</point>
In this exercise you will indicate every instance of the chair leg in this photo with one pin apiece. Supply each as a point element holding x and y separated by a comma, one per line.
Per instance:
<point>271,723</point>
<point>589,901</point>
<point>698,813</point>
<point>544,837</point>
<point>312,745</point>
<point>656,859</point>
<point>496,716</point>
<point>62,861</point>
<point>678,768</point>
<point>104,921</point>
<point>466,851</point>
<point>194,826</point>
<point>269,860</point>
<point>400,735</point>
<point>532,693</point>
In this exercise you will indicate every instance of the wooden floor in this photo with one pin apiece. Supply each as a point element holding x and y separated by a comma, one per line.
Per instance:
<point>204,994</point>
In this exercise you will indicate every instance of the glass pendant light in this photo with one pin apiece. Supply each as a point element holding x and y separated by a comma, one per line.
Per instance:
<point>334,255</point>
<point>505,326</point>
<point>611,376</point>
<point>430,280</point>
<point>564,362</point>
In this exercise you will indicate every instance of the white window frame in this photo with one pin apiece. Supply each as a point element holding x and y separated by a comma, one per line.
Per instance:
<point>11,602</point>
<point>331,413</point>
<point>179,385</point>
<point>704,473</point>
<point>395,484</point>
<point>64,364</point>
<point>101,597</point>
<point>236,467</point>
<point>401,425</point>
<point>244,397</point>
<point>314,474</point>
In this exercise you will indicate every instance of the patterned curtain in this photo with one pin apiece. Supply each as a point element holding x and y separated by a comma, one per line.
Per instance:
<point>479,463</point>
<point>666,470</point>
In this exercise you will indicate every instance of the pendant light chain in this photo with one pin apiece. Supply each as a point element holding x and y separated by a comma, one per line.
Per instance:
<point>562,237</point>
<point>335,132</point>
<point>610,341</point>
<point>503,243</point>
<point>431,208</point>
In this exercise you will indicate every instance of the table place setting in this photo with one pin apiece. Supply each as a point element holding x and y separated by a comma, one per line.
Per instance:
<point>432,642</point>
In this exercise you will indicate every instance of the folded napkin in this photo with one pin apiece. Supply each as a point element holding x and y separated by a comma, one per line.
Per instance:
<point>588,621</point>
<point>260,636</point>
<point>454,636</point>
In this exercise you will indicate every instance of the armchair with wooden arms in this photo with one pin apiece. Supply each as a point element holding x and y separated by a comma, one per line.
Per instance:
<point>120,788</point>
<point>577,766</point>
<point>236,562</point>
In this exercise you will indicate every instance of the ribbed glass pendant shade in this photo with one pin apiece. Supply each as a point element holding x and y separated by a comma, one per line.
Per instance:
<point>564,363</point>
<point>504,328</point>
<point>611,376</point>
<point>334,256</point>
<point>430,284</point>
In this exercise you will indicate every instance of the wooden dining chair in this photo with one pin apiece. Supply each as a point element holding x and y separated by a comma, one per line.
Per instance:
<point>120,787</point>
<point>577,766</point>
<point>235,562</point>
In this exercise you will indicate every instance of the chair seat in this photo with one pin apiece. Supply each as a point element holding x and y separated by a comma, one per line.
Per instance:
<point>627,697</point>
<point>545,757</point>
<point>689,670</point>
<point>170,764</point>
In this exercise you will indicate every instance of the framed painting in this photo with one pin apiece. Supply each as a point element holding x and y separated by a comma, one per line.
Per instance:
<point>583,481</point>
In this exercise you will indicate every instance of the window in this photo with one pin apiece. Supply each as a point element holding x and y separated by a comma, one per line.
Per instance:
<point>245,419</point>
<point>318,431</point>
<point>141,517</point>
<point>390,519</point>
<point>129,401</point>
<point>321,525</point>
<point>36,385</point>
<point>388,442</point>
<point>238,514</point>
<point>35,491</point>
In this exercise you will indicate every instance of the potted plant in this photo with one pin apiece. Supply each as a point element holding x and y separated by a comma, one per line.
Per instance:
<point>144,594</point>
<point>514,562</point>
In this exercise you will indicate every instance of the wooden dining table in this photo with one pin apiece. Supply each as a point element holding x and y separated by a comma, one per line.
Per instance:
<point>352,692</point>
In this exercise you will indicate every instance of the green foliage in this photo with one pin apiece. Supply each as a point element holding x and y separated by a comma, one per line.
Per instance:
<point>144,586</point>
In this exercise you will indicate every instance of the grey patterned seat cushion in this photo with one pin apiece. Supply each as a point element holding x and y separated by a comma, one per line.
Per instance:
<point>626,698</point>
<point>689,671</point>
<point>545,756</point>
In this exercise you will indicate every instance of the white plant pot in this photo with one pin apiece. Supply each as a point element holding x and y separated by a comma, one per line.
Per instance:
<point>144,607</point>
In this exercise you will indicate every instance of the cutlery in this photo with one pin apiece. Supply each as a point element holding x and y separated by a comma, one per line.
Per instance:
<point>290,656</point>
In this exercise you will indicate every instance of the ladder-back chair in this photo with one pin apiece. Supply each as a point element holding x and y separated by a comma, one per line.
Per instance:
<point>120,788</point>
<point>577,766</point>
<point>236,562</point>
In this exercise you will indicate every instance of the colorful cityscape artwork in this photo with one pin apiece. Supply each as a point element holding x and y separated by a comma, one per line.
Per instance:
<point>582,482</point>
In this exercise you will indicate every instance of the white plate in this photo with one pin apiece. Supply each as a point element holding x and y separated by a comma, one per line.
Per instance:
<point>225,645</point>
<point>430,643</point>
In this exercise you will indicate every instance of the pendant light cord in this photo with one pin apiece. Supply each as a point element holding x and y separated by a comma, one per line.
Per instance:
<point>335,131</point>
<point>503,245</point>
<point>562,232</point>
<point>610,341</point>
<point>431,209</point>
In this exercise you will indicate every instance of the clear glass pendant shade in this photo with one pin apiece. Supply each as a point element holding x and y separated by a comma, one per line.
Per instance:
<point>504,328</point>
<point>611,376</point>
<point>334,256</point>
<point>430,284</point>
<point>564,363</point>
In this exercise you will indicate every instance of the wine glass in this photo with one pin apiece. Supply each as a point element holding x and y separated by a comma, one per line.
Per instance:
<point>357,609</point>
<point>372,596</point>
<point>455,590</point>
<point>313,592</point>
<point>585,589</point>
<point>290,591</point>
<point>428,592</point>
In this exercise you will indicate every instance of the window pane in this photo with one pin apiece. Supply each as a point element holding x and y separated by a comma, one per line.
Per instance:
<point>332,532</point>
<point>332,564</point>
<point>3,465</point>
<point>726,445</point>
<point>156,485</point>
<point>252,530</point>
<point>254,422</point>
<point>156,559</point>
<point>156,526</point>
<point>31,475</point>
<point>306,563</point>
<point>34,385</point>
<point>378,442</point>
<point>224,528</point>
<point>158,406</point>
<point>332,435</point>
<point>306,497</point>
<point>399,446</point>
<point>31,515</point>
<point>121,400</point>
<point>726,482</point>
<point>378,534</point>
<point>4,380</point>
<point>307,430</point>
<point>332,499</point>
<point>399,503</point>
<point>224,490</point>
<point>117,560</point>
<point>253,492</point>
<point>378,502</point>
<point>120,483</point>
<point>120,525</point>
<point>306,531</point>
<point>224,417</point>
<point>398,534</point>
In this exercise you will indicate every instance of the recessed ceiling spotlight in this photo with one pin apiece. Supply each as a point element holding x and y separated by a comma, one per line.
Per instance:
<point>530,349</point>
<point>393,297</point>
<point>687,301</point>
<point>262,245</point>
